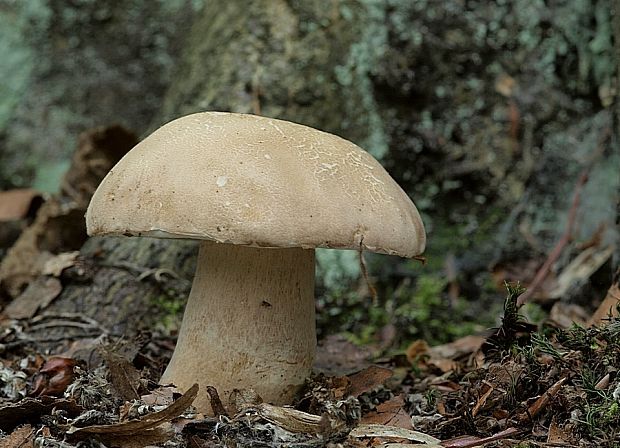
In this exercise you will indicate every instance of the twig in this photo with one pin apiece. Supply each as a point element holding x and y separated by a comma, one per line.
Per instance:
<point>542,401</point>
<point>568,233</point>
<point>542,273</point>
<point>472,442</point>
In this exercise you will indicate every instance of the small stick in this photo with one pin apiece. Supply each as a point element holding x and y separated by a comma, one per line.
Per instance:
<point>542,402</point>
<point>568,233</point>
<point>542,273</point>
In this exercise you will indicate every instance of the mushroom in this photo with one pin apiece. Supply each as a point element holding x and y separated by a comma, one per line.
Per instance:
<point>261,194</point>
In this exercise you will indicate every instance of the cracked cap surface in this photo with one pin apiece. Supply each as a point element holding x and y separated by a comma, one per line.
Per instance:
<point>250,180</point>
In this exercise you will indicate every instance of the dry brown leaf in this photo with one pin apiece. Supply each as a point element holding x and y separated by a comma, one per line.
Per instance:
<point>417,350</point>
<point>368,379</point>
<point>54,377</point>
<point>147,438</point>
<point>137,427</point>
<point>162,396</point>
<point>29,409</point>
<point>22,437</point>
<point>124,377</point>
<point>609,306</point>
<point>391,413</point>
<point>483,399</point>
<point>558,435</point>
<point>336,356</point>
<point>339,386</point>
<point>18,204</point>
<point>444,385</point>
<point>443,364</point>
<point>461,347</point>
<point>473,441</point>
<point>59,224</point>
<point>37,296</point>
<point>565,314</point>
<point>580,269</point>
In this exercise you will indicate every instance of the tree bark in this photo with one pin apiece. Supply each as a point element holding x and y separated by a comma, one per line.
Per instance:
<point>264,57</point>
<point>492,123</point>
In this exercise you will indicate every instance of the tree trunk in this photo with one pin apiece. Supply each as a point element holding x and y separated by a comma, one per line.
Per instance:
<point>262,57</point>
<point>493,123</point>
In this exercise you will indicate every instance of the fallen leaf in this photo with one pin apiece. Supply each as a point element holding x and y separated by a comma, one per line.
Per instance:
<point>444,385</point>
<point>564,315</point>
<point>482,399</point>
<point>339,386</point>
<point>473,441</point>
<point>580,269</point>
<point>20,438</point>
<point>542,401</point>
<point>124,377</point>
<point>461,347</point>
<point>54,377</point>
<point>417,350</point>
<point>146,438</point>
<point>216,404</point>
<point>162,396</point>
<point>31,410</point>
<point>37,296</point>
<point>391,413</point>
<point>19,203</point>
<point>368,379</point>
<point>443,364</point>
<point>609,305</point>
<point>137,427</point>
<point>336,356</point>
<point>558,435</point>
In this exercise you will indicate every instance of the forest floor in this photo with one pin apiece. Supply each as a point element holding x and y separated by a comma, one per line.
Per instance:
<point>520,385</point>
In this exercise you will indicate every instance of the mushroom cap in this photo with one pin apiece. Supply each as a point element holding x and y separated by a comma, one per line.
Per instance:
<point>256,181</point>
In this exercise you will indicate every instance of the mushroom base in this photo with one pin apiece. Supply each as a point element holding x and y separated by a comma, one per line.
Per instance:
<point>248,324</point>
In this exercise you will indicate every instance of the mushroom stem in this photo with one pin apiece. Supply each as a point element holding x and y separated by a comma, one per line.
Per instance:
<point>249,323</point>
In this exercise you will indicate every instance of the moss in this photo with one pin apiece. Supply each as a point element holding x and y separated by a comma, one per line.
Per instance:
<point>168,309</point>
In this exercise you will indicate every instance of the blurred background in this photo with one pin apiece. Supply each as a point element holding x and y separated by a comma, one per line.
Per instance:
<point>490,114</point>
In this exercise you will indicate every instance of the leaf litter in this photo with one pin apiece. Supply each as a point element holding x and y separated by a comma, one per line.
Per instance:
<point>545,385</point>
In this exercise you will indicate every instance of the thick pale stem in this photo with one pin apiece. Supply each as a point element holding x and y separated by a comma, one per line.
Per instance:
<point>248,323</point>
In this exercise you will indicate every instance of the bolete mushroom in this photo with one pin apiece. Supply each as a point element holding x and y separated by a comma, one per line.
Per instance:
<point>261,194</point>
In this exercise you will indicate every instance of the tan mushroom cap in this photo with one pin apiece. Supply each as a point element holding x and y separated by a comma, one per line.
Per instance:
<point>256,181</point>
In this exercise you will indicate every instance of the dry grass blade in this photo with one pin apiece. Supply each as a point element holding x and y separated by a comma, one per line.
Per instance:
<point>472,442</point>
<point>392,432</point>
<point>148,422</point>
